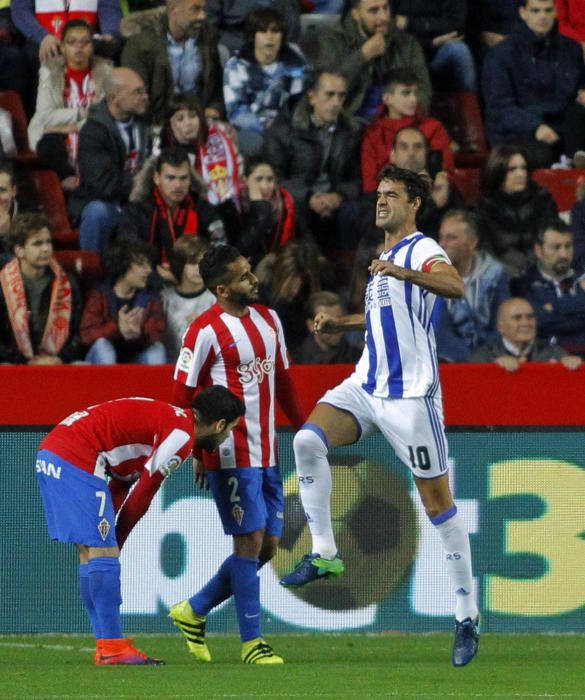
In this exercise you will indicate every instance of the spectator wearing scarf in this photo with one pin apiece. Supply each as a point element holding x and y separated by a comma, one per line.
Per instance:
<point>212,152</point>
<point>68,85</point>
<point>167,203</point>
<point>40,304</point>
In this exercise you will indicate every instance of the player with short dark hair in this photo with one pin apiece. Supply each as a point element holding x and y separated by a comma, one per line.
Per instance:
<point>135,443</point>
<point>238,344</point>
<point>395,387</point>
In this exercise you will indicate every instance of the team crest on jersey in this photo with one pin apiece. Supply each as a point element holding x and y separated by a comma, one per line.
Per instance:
<point>171,465</point>
<point>238,513</point>
<point>256,369</point>
<point>104,528</point>
<point>185,360</point>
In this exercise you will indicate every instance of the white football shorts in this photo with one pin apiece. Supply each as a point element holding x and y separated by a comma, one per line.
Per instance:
<point>414,427</point>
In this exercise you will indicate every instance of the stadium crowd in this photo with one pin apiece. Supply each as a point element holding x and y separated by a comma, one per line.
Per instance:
<point>135,134</point>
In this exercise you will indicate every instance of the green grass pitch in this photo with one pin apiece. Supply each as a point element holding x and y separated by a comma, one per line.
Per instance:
<point>317,666</point>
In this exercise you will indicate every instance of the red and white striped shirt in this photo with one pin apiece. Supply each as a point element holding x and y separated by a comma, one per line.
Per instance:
<point>54,14</point>
<point>124,436</point>
<point>244,354</point>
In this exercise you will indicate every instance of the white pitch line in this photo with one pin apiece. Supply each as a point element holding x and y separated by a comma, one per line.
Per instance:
<point>57,647</point>
<point>389,694</point>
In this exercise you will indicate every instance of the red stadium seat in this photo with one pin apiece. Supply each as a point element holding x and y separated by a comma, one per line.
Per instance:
<point>84,263</point>
<point>468,181</point>
<point>562,184</point>
<point>10,100</point>
<point>49,193</point>
<point>460,113</point>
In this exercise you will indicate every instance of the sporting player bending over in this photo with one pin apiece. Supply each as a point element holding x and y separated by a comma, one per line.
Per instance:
<point>239,344</point>
<point>395,388</point>
<point>133,441</point>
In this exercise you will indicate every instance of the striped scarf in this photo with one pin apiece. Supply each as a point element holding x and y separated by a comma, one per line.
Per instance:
<point>58,323</point>
<point>79,94</point>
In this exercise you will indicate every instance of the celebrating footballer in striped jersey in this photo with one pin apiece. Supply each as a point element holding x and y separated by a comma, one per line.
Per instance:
<point>135,443</point>
<point>240,345</point>
<point>395,388</point>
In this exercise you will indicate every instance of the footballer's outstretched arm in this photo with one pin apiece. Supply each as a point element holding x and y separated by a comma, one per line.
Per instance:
<point>323,323</point>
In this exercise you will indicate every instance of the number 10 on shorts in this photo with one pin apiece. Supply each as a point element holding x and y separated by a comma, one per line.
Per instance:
<point>419,457</point>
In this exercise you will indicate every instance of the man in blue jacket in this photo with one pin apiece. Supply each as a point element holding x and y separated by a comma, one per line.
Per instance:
<point>470,321</point>
<point>533,87</point>
<point>555,289</point>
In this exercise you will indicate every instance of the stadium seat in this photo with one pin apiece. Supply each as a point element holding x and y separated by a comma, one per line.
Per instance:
<point>468,181</point>
<point>562,184</point>
<point>84,263</point>
<point>11,101</point>
<point>460,113</point>
<point>49,193</point>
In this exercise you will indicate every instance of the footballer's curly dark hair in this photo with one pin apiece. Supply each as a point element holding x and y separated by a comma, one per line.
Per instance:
<point>213,266</point>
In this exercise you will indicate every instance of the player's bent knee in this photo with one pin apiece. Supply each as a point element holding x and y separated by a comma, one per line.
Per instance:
<point>308,444</point>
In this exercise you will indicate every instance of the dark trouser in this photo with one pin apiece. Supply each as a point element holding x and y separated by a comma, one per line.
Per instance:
<point>338,232</point>
<point>13,69</point>
<point>53,152</point>
<point>571,129</point>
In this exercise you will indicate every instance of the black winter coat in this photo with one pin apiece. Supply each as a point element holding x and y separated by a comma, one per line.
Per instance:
<point>294,147</point>
<point>509,223</point>
<point>529,81</point>
<point>427,20</point>
<point>101,160</point>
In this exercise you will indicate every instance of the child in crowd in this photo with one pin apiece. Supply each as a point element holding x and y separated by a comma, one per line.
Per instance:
<point>123,320</point>
<point>187,300</point>
<point>402,109</point>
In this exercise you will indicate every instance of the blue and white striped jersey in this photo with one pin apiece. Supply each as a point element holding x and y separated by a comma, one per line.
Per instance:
<point>399,358</point>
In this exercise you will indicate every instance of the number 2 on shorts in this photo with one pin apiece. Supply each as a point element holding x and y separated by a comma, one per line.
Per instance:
<point>233,484</point>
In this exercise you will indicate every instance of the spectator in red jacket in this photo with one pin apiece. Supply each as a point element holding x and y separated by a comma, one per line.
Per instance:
<point>402,109</point>
<point>123,320</point>
<point>571,19</point>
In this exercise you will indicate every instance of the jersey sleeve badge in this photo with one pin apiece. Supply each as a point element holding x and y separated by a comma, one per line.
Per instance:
<point>185,360</point>
<point>171,465</point>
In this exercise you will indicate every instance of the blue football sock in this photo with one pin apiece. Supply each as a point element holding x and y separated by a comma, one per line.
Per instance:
<point>246,591</point>
<point>215,591</point>
<point>105,591</point>
<point>87,601</point>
